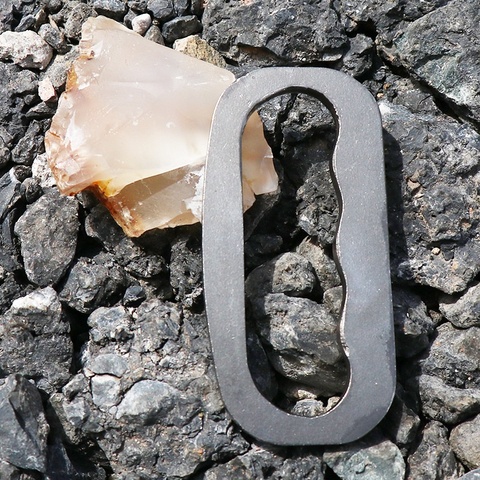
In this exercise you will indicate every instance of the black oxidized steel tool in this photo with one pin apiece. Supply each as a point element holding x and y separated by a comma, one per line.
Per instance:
<point>361,253</point>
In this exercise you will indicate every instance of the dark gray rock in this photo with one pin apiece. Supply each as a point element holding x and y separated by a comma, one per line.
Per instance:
<point>186,269</point>
<point>35,340</point>
<point>454,358</point>
<point>22,421</point>
<point>147,402</point>
<point>262,373</point>
<point>9,193</point>
<point>432,458</point>
<point>161,10</point>
<point>325,268</point>
<point>110,8</point>
<point>11,105</point>
<point>54,37</point>
<point>464,442</point>
<point>155,323</point>
<point>442,50</point>
<point>373,458</point>
<point>464,311</point>
<point>6,15</point>
<point>181,7</point>
<point>433,208</point>
<point>263,34</point>
<point>48,236</point>
<point>154,34</point>
<point>134,295</point>
<point>9,252</point>
<point>110,324</point>
<point>289,273</point>
<point>445,403</point>
<point>401,423</point>
<point>359,58</point>
<point>29,145</point>
<point>260,464</point>
<point>302,341</point>
<point>92,283</point>
<point>24,82</point>
<point>181,27</point>
<point>412,324</point>
<point>72,16</point>
<point>100,225</point>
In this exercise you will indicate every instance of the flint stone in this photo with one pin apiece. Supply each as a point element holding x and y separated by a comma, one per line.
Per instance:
<point>302,341</point>
<point>289,273</point>
<point>372,458</point>
<point>48,233</point>
<point>35,340</point>
<point>412,324</point>
<point>181,27</point>
<point>463,312</point>
<point>432,458</point>
<point>454,358</point>
<point>261,33</point>
<point>93,282</point>
<point>26,49</point>
<point>432,170</point>
<point>22,422</point>
<point>147,402</point>
<point>445,403</point>
<point>464,442</point>
<point>442,50</point>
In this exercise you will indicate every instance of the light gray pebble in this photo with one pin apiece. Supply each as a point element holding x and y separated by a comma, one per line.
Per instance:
<point>147,402</point>
<point>26,49</point>
<point>141,23</point>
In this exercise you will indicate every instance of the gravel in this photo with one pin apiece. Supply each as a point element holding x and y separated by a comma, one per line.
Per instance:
<point>106,370</point>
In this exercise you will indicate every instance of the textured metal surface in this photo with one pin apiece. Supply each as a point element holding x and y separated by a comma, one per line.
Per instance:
<point>361,252</point>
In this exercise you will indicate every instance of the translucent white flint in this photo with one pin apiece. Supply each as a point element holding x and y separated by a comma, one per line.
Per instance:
<point>133,124</point>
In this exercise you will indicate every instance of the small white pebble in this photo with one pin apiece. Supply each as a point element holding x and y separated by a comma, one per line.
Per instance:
<point>141,23</point>
<point>435,250</point>
<point>46,90</point>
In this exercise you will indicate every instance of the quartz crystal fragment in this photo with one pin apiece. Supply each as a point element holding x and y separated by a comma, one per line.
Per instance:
<point>133,125</point>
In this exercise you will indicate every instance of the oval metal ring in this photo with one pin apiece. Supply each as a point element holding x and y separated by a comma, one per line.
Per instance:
<point>362,256</point>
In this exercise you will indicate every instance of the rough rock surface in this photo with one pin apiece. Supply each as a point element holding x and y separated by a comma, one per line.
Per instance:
<point>106,370</point>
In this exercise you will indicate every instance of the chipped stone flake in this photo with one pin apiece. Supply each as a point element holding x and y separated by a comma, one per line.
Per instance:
<point>133,125</point>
